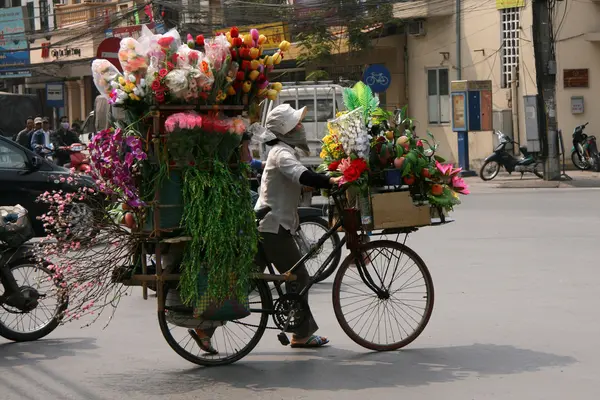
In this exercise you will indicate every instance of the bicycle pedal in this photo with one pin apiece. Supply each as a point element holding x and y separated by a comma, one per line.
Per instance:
<point>283,339</point>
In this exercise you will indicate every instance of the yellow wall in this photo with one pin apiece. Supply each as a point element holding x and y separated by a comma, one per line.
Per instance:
<point>481,55</point>
<point>575,51</point>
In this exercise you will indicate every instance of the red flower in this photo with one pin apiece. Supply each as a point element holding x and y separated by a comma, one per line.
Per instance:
<point>334,166</point>
<point>200,40</point>
<point>235,32</point>
<point>170,66</point>
<point>162,73</point>
<point>204,96</point>
<point>355,170</point>
<point>237,42</point>
<point>220,126</point>
<point>208,124</point>
<point>193,56</point>
<point>245,53</point>
<point>165,41</point>
<point>261,79</point>
<point>174,58</point>
<point>237,85</point>
<point>245,65</point>
<point>160,97</point>
<point>155,85</point>
<point>419,143</point>
<point>234,54</point>
<point>240,76</point>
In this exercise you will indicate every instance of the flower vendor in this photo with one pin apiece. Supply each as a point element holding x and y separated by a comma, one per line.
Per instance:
<point>282,181</point>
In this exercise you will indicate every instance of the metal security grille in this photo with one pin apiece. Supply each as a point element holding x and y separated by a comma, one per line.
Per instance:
<point>510,43</point>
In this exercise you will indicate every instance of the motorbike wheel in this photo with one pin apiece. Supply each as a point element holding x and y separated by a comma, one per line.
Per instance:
<point>538,170</point>
<point>578,162</point>
<point>489,170</point>
<point>37,283</point>
<point>311,230</point>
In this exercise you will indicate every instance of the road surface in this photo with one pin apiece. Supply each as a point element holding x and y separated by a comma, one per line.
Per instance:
<point>515,318</point>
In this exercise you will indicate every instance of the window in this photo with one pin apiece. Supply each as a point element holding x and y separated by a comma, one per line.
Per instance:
<point>510,24</point>
<point>44,13</point>
<point>324,109</point>
<point>11,158</point>
<point>438,96</point>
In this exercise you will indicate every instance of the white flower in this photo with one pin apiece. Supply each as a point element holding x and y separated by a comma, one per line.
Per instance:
<point>142,82</point>
<point>131,78</point>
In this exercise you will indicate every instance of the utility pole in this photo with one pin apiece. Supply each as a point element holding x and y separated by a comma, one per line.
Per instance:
<point>545,66</point>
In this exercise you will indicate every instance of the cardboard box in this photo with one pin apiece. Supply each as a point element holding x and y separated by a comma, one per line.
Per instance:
<point>396,210</point>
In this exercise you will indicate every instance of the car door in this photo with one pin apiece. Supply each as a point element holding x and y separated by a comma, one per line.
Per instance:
<point>19,182</point>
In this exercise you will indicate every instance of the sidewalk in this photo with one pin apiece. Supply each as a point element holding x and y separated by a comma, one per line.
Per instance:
<point>580,179</point>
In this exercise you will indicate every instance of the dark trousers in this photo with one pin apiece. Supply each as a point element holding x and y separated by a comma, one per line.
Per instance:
<point>281,250</point>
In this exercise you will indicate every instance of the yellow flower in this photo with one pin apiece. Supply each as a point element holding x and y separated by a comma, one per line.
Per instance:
<point>328,139</point>
<point>122,80</point>
<point>284,46</point>
<point>323,154</point>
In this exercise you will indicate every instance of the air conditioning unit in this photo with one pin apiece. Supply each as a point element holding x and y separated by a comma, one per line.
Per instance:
<point>416,28</point>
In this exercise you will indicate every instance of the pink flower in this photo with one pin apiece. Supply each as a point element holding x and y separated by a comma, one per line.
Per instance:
<point>198,121</point>
<point>191,120</point>
<point>447,169</point>
<point>170,125</point>
<point>459,185</point>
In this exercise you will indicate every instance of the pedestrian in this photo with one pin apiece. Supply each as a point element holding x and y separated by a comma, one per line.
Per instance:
<point>284,175</point>
<point>36,141</point>
<point>62,139</point>
<point>24,137</point>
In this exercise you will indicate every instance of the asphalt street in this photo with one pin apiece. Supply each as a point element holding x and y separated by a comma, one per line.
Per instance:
<point>516,280</point>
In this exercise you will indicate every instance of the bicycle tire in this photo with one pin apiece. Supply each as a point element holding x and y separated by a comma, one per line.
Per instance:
<point>335,262</point>
<point>336,296</point>
<point>10,334</point>
<point>267,304</point>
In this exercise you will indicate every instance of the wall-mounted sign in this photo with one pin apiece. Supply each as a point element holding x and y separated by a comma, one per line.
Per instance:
<point>577,105</point>
<point>14,53</point>
<point>459,110</point>
<point>127,31</point>
<point>576,78</point>
<point>55,95</point>
<point>500,4</point>
<point>66,52</point>
<point>377,77</point>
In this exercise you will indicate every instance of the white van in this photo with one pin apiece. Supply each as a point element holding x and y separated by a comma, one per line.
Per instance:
<point>324,97</point>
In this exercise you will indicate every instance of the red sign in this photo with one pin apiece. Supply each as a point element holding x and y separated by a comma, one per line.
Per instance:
<point>109,50</point>
<point>46,50</point>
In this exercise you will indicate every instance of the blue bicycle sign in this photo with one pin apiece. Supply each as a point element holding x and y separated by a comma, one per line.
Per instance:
<point>377,77</point>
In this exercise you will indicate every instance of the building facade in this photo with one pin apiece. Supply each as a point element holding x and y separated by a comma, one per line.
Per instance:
<point>497,44</point>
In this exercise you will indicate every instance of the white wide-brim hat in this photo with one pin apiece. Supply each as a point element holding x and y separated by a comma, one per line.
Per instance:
<point>280,121</point>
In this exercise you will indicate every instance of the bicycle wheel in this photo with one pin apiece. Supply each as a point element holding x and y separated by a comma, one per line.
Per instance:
<point>311,230</point>
<point>232,339</point>
<point>47,306</point>
<point>395,317</point>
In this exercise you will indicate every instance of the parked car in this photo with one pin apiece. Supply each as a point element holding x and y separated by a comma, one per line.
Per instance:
<point>24,176</point>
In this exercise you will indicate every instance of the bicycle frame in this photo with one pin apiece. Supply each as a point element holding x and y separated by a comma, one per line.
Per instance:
<point>354,248</point>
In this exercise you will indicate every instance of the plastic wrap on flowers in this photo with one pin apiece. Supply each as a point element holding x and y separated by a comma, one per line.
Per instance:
<point>133,58</point>
<point>105,74</point>
<point>354,136</point>
<point>198,140</point>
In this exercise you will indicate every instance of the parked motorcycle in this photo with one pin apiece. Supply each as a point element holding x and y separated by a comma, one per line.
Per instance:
<point>584,152</point>
<point>502,158</point>
<point>32,301</point>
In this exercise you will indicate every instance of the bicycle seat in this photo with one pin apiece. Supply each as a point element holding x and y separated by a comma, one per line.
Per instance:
<point>260,214</point>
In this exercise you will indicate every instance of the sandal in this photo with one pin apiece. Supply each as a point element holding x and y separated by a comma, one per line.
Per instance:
<point>312,342</point>
<point>203,341</point>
